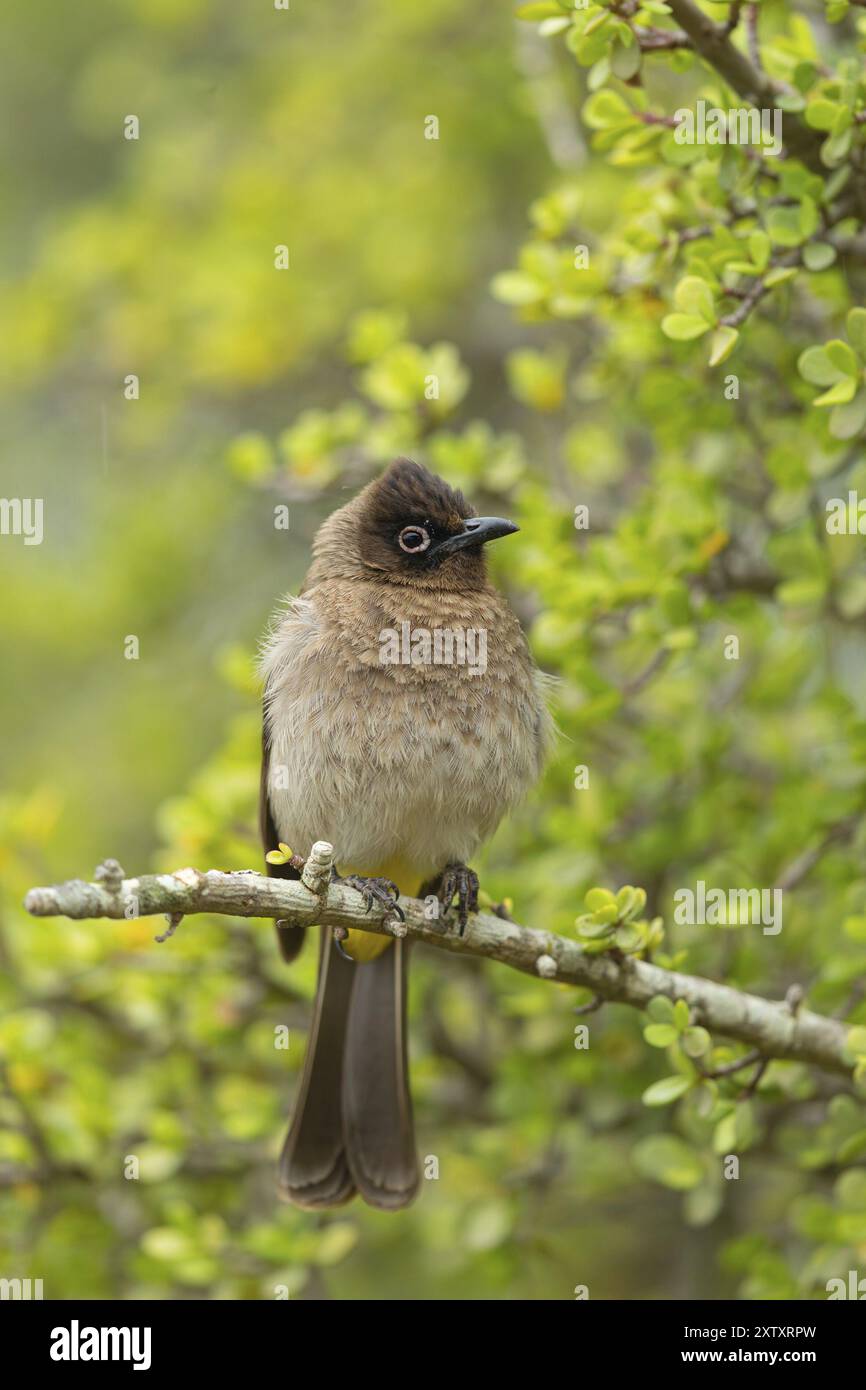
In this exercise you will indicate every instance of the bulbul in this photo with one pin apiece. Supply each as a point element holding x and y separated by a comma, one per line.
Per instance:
<point>403,716</point>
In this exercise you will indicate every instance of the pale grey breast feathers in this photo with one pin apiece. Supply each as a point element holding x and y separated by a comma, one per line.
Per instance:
<point>389,757</point>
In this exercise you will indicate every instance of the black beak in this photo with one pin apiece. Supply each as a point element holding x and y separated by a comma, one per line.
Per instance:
<point>476,531</point>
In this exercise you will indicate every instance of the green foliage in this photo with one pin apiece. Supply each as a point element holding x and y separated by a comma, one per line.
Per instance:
<point>612,923</point>
<point>840,367</point>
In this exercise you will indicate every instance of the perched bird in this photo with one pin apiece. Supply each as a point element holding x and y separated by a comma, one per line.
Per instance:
<point>403,717</point>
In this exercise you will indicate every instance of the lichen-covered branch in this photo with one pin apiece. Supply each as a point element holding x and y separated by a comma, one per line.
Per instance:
<point>776,1029</point>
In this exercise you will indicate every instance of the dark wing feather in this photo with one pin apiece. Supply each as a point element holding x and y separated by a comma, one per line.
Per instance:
<point>290,939</point>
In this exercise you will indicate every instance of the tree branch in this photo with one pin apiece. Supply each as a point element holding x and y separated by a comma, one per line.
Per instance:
<point>771,1027</point>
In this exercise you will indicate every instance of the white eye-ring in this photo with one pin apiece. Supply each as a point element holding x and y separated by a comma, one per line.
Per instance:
<point>413,539</point>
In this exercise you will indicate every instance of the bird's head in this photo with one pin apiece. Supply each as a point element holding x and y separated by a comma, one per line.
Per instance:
<point>409,526</point>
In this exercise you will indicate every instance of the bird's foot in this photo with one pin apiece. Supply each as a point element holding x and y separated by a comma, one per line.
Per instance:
<point>375,890</point>
<point>461,882</point>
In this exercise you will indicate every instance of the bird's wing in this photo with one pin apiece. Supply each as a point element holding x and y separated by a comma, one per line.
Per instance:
<point>290,939</point>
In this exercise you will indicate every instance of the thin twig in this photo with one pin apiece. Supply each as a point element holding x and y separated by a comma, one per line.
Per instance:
<point>752,41</point>
<point>794,873</point>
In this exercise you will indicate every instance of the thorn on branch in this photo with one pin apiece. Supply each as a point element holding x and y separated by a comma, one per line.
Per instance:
<point>794,998</point>
<point>316,874</point>
<point>596,1002</point>
<point>174,920</point>
<point>734,16</point>
<point>110,875</point>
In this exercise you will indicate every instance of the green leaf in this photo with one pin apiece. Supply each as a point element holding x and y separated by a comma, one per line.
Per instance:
<point>628,938</point>
<point>848,420</point>
<point>625,61</point>
<point>605,109</point>
<point>853,1148</point>
<point>666,1091</point>
<point>665,1159</point>
<point>759,248</point>
<point>703,1204</point>
<point>606,915</point>
<point>660,1034</point>
<point>682,1014</point>
<point>836,147</point>
<point>821,113</point>
<point>660,1009</point>
<point>516,287</point>
<point>693,296</point>
<point>625,900</point>
<point>785,227</point>
<point>639,902</point>
<point>818,255</point>
<point>722,344</point>
<point>839,394</point>
<point>682,327</point>
<point>815,366</point>
<point>596,22</point>
<point>590,928</point>
<point>842,357</point>
<point>598,898</point>
<point>801,593</point>
<point>696,1042</point>
<point>779,274</point>
<point>855,324</point>
<point>548,27</point>
<point>725,1134</point>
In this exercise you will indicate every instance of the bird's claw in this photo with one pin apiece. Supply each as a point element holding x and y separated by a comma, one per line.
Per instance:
<point>375,890</point>
<point>458,879</point>
<point>338,936</point>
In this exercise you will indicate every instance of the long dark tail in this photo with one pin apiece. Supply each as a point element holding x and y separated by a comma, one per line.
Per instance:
<point>352,1128</point>
<point>313,1169</point>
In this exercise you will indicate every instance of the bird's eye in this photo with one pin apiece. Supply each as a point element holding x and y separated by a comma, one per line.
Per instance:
<point>413,539</point>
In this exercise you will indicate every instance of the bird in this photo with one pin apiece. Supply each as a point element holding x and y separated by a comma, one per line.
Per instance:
<point>403,717</point>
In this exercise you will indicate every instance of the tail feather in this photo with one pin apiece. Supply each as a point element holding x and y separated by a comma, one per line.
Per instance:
<point>352,1128</point>
<point>377,1105</point>
<point>313,1170</point>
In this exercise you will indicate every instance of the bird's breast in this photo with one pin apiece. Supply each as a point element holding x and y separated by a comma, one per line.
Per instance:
<point>389,754</point>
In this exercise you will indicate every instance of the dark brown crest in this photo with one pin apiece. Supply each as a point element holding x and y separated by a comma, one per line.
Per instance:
<point>407,491</point>
<point>407,495</point>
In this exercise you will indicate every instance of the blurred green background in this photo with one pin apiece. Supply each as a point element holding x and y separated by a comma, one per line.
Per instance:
<point>155,257</point>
